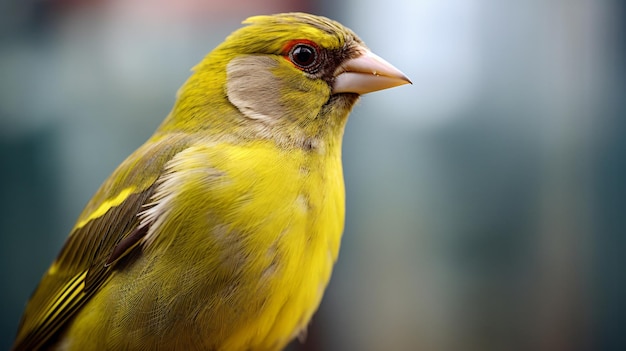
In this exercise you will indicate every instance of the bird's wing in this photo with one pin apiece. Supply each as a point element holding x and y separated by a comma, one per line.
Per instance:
<point>106,232</point>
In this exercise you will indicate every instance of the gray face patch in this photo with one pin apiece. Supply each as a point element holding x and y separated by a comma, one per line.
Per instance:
<point>254,89</point>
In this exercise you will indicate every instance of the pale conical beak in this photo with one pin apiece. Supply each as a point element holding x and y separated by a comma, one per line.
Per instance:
<point>367,73</point>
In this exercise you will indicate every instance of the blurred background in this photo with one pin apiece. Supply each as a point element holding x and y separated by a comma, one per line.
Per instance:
<point>485,203</point>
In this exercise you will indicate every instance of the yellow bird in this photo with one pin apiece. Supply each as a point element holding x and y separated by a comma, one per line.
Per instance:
<point>221,231</point>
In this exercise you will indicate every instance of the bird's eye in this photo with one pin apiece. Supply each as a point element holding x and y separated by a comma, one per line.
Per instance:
<point>304,56</point>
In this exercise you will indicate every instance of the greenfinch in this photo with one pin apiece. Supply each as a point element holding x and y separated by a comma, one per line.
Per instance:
<point>221,231</point>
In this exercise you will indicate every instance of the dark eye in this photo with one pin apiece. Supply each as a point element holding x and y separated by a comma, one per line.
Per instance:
<point>303,55</point>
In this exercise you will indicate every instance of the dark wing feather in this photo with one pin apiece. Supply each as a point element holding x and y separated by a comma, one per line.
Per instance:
<point>90,252</point>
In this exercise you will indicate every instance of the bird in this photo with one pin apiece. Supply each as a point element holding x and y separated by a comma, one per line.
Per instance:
<point>220,232</point>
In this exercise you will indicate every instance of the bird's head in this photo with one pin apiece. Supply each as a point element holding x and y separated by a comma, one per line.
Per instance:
<point>288,76</point>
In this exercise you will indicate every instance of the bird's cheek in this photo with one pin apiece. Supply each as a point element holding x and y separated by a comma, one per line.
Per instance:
<point>254,89</point>
<point>302,95</point>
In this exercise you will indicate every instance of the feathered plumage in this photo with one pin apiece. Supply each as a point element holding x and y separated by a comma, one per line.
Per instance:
<point>220,232</point>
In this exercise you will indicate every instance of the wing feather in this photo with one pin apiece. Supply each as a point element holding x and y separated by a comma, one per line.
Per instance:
<point>101,237</point>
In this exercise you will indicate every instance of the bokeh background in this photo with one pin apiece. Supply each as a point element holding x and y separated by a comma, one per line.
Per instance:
<point>486,202</point>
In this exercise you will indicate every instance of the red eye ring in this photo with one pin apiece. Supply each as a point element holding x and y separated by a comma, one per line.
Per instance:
<point>304,54</point>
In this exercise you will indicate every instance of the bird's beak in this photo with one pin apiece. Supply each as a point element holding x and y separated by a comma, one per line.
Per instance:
<point>367,73</point>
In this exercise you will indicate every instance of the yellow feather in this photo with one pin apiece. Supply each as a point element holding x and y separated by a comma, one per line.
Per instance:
<point>106,205</point>
<point>260,224</point>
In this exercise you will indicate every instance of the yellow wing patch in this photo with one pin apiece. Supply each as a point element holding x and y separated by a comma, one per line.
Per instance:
<point>106,205</point>
<point>58,309</point>
<point>66,296</point>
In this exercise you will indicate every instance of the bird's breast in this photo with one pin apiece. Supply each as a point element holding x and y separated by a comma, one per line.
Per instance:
<point>260,231</point>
